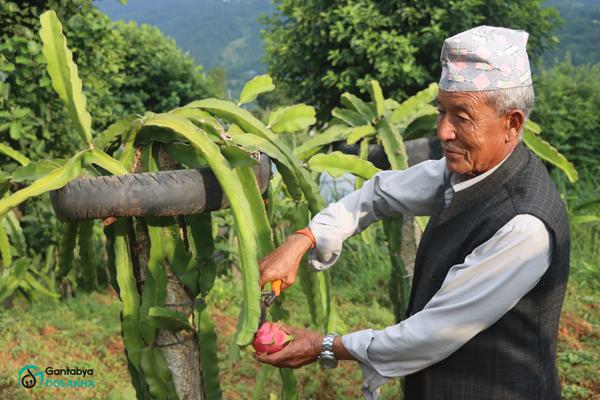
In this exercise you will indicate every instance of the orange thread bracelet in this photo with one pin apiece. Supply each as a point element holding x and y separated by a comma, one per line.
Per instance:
<point>306,232</point>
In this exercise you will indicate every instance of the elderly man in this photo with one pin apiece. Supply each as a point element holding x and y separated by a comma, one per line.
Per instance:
<point>492,266</point>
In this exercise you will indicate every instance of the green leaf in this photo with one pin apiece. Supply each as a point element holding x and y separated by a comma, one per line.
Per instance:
<point>36,169</point>
<point>128,293</point>
<point>392,145</point>
<point>5,250</point>
<point>292,119</point>
<point>101,159</point>
<point>585,219</point>
<point>247,234</point>
<point>157,374</point>
<point>289,390</point>
<point>38,288</point>
<point>350,117</point>
<point>14,154</point>
<point>253,142</point>
<point>587,204</point>
<point>167,319</point>
<point>255,86</point>
<point>377,97</point>
<point>119,128</point>
<point>67,247</point>
<point>54,180</point>
<point>359,106</point>
<point>11,280</point>
<point>185,154</point>
<point>533,127</point>
<point>249,123</point>
<point>258,391</point>
<point>360,132</point>
<point>63,71</point>
<point>337,164</point>
<point>421,126</point>
<point>15,232</point>
<point>208,355</point>
<point>332,134</point>
<point>238,157</point>
<point>408,108</point>
<point>203,120</point>
<point>547,152</point>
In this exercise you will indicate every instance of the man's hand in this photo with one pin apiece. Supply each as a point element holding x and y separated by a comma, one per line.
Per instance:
<point>283,262</point>
<point>304,349</point>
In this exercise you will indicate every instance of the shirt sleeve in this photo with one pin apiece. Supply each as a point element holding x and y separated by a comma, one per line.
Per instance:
<point>473,296</point>
<point>388,194</point>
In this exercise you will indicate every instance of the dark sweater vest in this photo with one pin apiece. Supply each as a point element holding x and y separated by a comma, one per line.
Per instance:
<point>515,357</point>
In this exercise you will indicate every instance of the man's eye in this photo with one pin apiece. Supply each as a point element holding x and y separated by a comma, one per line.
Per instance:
<point>462,117</point>
<point>441,111</point>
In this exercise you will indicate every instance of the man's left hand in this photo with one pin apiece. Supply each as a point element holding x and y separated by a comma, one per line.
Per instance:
<point>304,349</point>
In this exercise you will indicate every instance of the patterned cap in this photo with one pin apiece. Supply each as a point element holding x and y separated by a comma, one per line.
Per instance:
<point>485,58</point>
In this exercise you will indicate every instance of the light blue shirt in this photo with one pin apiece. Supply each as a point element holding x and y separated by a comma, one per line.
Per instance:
<point>475,293</point>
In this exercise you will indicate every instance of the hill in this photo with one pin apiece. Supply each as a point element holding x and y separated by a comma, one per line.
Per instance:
<point>215,32</point>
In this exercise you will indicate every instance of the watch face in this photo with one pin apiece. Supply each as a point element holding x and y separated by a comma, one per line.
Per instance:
<point>328,362</point>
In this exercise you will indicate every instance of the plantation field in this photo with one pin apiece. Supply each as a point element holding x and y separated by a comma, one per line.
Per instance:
<point>85,331</point>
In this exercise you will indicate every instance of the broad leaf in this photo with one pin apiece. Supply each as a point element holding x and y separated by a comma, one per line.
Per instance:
<point>255,86</point>
<point>168,319</point>
<point>185,154</point>
<point>11,279</point>
<point>337,164</point>
<point>359,132</point>
<point>241,208</point>
<point>421,126</point>
<point>533,127</point>
<point>407,109</point>
<point>64,75</point>
<point>5,250</point>
<point>101,159</point>
<point>392,145</point>
<point>350,117</point>
<point>359,106</point>
<point>377,97</point>
<point>14,154</point>
<point>292,119</point>
<point>332,134</point>
<point>115,130</point>
<point>54,180</point>
<point>547,152</point>
<point>36,169</point>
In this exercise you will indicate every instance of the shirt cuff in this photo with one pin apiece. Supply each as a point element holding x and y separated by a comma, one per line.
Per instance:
<point>327,249</point>
<point>357,344</point>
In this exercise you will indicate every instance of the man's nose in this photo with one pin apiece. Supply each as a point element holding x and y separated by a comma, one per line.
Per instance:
<point>445,129</point>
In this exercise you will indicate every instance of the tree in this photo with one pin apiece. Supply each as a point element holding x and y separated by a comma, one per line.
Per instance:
<point>125,69</point>
<point>315,50</point>
<point>567,99</point>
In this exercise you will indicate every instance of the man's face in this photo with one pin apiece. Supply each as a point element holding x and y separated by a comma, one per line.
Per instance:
<point>472,134</point>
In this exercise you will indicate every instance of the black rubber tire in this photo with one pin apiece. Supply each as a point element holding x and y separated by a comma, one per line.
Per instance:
<point>164,193</point>
<point>418,150</point>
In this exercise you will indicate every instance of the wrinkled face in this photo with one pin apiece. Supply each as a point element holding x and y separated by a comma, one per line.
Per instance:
<point>474,137</point>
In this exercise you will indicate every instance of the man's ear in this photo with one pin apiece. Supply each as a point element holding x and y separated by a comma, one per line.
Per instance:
<point>515,119</point>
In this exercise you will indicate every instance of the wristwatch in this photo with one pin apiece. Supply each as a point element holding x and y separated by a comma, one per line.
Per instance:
<point>327,357</point>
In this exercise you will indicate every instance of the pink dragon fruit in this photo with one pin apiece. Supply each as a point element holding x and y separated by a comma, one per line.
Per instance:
<point>270,338</point>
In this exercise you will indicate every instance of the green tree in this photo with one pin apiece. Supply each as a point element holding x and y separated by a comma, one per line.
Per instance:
<point>567,100</point>
<point>125,69</point>
<point>316,50</point>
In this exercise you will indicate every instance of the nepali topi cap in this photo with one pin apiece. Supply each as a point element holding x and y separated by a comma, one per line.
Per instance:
<point>485,58</point>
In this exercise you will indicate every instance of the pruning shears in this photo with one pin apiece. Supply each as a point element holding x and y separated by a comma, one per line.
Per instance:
<point>267,298</point>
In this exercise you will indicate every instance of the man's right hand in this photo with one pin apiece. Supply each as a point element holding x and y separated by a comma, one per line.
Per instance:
<point>283,262</point>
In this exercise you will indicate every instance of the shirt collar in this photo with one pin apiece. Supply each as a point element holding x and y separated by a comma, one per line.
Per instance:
<point>459,183</point>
